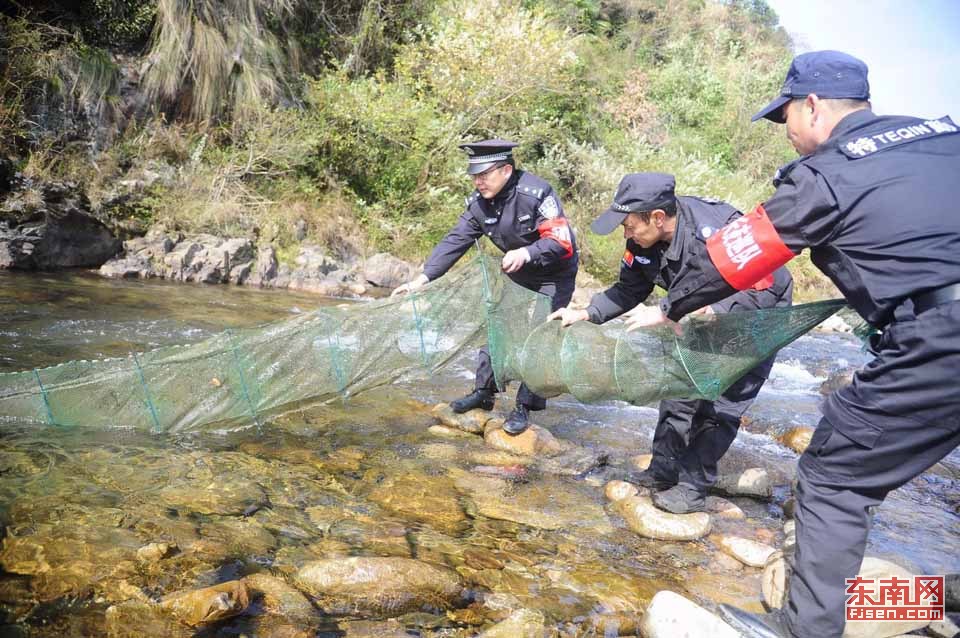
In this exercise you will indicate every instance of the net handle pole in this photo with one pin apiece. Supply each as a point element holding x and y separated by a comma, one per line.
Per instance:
<point>419,323</point>
<point>243,382</point>
<point>46,400</point>
<point>157,428</point>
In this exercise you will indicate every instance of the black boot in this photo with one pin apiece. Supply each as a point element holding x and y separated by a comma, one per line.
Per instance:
<point>517,421</point>
<point>682,498</point>
<point>770,625</point>
<point>482,399</point>
<point>650,480</point>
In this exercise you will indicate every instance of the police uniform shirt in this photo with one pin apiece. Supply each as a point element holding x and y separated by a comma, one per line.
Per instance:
<point>877,204</point>
<point>526,213</point>
<point>664,264</point>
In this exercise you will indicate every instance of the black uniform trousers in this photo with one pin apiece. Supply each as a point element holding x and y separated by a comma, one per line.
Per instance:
<point>560,293</point>
<point>900,415</point>
<point>692,435</point>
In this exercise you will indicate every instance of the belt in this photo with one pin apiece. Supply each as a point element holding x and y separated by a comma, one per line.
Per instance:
<point>933,298</point>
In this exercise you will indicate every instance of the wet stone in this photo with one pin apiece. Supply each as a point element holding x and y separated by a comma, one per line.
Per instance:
<point>544,504</point>
<point>420,497</point>
<point>274,596</point>
<point>648,521</point>
<point>135,619</point>
<point>753,482</point>
<point>723,508</point>
<point>207,605</point>
<point>748,552</point>
<point>155,551</point>
<point>228,496</point>
<point>535,441</point>
<point>523,623</point>
<point>377,586</point>
<point>471,421</point>
<point>797,439</point>
<point>673,616</point>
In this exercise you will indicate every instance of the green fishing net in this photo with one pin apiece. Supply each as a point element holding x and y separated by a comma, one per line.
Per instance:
<point>246,376</point>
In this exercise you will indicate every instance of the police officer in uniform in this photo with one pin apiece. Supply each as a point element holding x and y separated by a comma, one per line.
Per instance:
<point>875,200</point>
<point>521,214</point>
<point>662,231</point>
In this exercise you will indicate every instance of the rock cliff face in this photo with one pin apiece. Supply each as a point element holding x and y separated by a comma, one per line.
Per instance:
<point>50,227</point>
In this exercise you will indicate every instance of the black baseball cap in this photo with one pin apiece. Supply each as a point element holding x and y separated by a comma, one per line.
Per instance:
<point>486,154</point>
<point>829,74</point>
<point>637,193</point>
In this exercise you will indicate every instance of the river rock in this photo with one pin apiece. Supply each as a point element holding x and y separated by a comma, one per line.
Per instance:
<point>549,503</point>
<point>837,380</point>
<point>773,581</point>
<point>278,598</point>
<point>471,421</point>
<point>535,441</point>
<point>379,586</point>
<point>754,482</point>
<point>673,616</point>
<point>619,490</point>
<point>650,522</point>
<point>723,508</point>
<point>386,271</point>
<point>448,432</point>
<point>797,439</point>
<point>136,619</point>
<point>203,606</point>
<point>225,495</point>
<point>523,623</point>
<point>428,499</point>
<point>748,552</point>
<point>155,552</point>
<point>945,628</point>
<point>641,461</point>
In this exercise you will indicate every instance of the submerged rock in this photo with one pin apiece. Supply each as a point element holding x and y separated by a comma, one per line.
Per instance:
<point>202,606</point>
<point>373,586</point>
<point>523,623</point>
<point>673,616</point>
<point>420,497</point>
<point>545,504</point>
<point>723,508</point>
<point>223,495</point>
<point>648,521</point>
<point>135,619</point>
<point>274,596</point>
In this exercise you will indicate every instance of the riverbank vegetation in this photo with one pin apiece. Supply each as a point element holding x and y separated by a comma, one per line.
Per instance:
<point>338,123</point>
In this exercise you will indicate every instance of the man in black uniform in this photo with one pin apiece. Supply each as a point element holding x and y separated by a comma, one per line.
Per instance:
<point>875,199</point>
<point>661,230</point>
<point>522,216</point>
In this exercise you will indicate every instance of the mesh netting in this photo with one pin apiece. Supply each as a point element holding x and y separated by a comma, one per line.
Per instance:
<point>245,376</point>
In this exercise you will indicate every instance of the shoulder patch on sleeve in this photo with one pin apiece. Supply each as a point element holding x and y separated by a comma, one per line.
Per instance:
<point>548,207</point>
<point>861,145</point>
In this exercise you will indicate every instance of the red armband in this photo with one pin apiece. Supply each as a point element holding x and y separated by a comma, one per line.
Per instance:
<point>557,230</point>
<point>748,249</point>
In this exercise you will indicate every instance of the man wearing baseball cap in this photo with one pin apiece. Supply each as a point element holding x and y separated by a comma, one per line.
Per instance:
<point>522,216</point>
<point>662,231</point>
<point>875,200</point>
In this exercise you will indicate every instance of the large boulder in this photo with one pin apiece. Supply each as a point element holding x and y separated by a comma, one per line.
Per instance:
<point>386,271</point>
<point>378,586</point>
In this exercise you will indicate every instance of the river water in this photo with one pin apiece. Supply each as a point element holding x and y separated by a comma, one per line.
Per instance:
<point>366,478</point>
